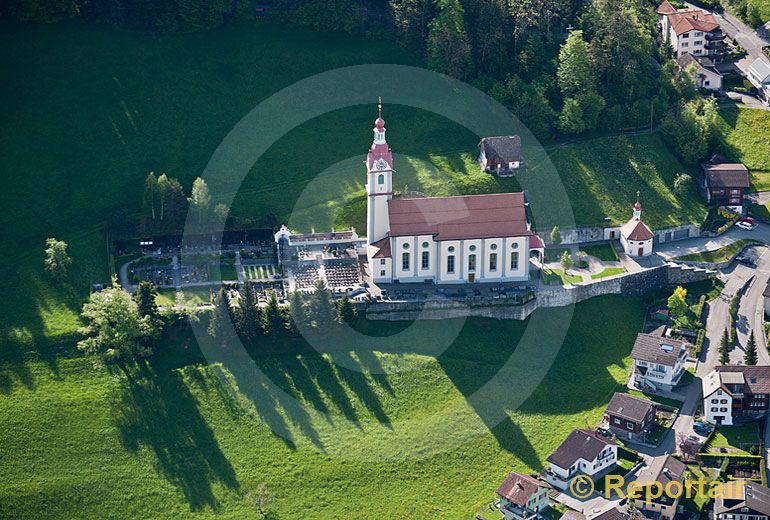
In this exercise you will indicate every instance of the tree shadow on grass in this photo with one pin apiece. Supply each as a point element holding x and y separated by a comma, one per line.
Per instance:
<point>158,412</point>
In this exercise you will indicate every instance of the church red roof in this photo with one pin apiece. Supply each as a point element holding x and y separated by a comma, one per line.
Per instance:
<point>457,218</point>
<point>636,230</point>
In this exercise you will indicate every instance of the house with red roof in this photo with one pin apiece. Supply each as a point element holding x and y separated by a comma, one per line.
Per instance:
<point>691,30</point>
<point>522,497</point>
<point>463,239</point>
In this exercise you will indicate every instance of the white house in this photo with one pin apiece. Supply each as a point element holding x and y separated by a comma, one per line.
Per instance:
<point>582,452</point>
<point>522,497</point>
<point>759,76</point>
<point>691,30</point>
<point>658,361</point>
<point>466,239</point>
<point>706,75</point>
<point>635,236</point>
<point>735,391</point>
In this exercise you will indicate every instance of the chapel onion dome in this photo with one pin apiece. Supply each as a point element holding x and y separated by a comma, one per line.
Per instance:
<point>379,123</point>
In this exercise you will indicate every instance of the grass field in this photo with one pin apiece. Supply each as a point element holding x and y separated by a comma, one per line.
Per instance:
<point>723,254</point>
<point>604,252</point>
<point>738,439</point>
<point>177,442</point>
<point>609,271</point>
<point>94,109</point>
<point>603,175</point>
<point>744,136</point>
<point>558,277</point>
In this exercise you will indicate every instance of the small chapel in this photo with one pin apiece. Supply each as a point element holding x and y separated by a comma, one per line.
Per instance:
<point>635,236</point>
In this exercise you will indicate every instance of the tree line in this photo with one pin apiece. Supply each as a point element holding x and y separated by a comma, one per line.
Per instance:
<point>241,317</point>
<point>165,206</point>
<point>121,329</point>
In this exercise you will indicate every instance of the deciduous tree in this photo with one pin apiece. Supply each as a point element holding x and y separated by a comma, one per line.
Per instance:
<point>448,47</point>
<point>57,261</point>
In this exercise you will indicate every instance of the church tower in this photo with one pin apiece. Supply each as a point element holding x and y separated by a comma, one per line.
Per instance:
<point>379,182</point>
<point>637,208</point>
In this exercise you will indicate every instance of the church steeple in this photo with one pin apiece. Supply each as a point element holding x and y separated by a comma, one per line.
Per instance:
<point>638,208</point>
<point>379,181</point>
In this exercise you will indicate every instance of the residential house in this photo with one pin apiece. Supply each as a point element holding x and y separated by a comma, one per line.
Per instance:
<point>734,391</point>
<point>691,30</point>
<point>658,362</point>
<point>617,513</point>
<point>660,472</point>
<point>630,417</point>
<point>725,182</point>
<point>582,452</point>
<point>522,497</point>
<point>706,75</point>
<point>742,500</point>
<point>501,155</point>
<point>759,76</point>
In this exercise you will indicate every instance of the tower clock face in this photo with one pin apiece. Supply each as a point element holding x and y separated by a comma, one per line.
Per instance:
<point>381,164</point>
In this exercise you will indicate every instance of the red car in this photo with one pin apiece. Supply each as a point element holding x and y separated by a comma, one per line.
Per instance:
<point>750,220</point>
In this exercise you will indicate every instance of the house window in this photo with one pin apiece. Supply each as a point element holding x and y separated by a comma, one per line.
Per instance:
<point>493,261</point>
<point>450,264</point>
<point>382,261</point>
<point>629,425</point>
<point>471,262</point>
<point>380,179</point>
<point>425,260</point>
<point>686,35</point>
<point>382,273</point>
<point>685,44</point>
<point>405,261</point>
<point>617,421</point>
<point>698,42</point>
<point>707,83</point>
<point>514,260</point>
<point>713,409</point>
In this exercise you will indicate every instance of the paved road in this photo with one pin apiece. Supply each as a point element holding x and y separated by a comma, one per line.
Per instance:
<point>694,245</point>
<point>752,309</point>
<point>735,277</point>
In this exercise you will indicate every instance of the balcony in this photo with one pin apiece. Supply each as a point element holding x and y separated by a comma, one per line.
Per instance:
<point>716,36</point>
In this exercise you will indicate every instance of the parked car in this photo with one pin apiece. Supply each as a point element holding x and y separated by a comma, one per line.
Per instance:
<point>749,220</point>
<point>702,428</point>
<point>746,260</point>
<point>745,225</point>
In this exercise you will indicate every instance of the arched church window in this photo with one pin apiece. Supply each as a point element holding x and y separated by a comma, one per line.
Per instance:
<point>381,179</point>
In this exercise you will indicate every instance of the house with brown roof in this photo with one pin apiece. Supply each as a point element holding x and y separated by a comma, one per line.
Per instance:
<point>662,471</point>
<point>465,239</point>
<point>501,155</point>
<point>731,392</point>
<point>691,30</point>
<point>582,452</point>
<point>522,497</point>
<point>630,417</point>
<point>724,183</point>
<point>658,362</point>
<point>705,73</point>
<point>742,500</point>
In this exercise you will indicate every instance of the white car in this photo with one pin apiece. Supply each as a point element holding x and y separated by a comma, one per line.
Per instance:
<point>745,225</point>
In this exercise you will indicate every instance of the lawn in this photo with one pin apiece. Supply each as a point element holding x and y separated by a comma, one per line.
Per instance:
<point>744,135</point>
<point>737,439</point>
<point>405,434</point>
<point>558,277</point>
<point>604,252</point>
<point>603,175</point>
<point>609,271</point>
<point>93,109</point>
<point>723,254</point>
<point>166,297</point>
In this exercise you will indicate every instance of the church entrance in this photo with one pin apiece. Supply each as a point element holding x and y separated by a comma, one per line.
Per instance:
<point>471,277</point>
<point>641,251</point>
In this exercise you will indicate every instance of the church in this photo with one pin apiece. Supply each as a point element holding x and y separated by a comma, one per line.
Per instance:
<point>463,239</point>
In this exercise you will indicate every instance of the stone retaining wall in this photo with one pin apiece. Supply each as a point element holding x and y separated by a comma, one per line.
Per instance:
<point>628,284</point>
<point>582,235</point>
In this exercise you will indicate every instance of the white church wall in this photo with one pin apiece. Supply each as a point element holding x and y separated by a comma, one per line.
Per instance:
<point>492,246</point>
<point>446,249</point>
<point>520,247</point>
